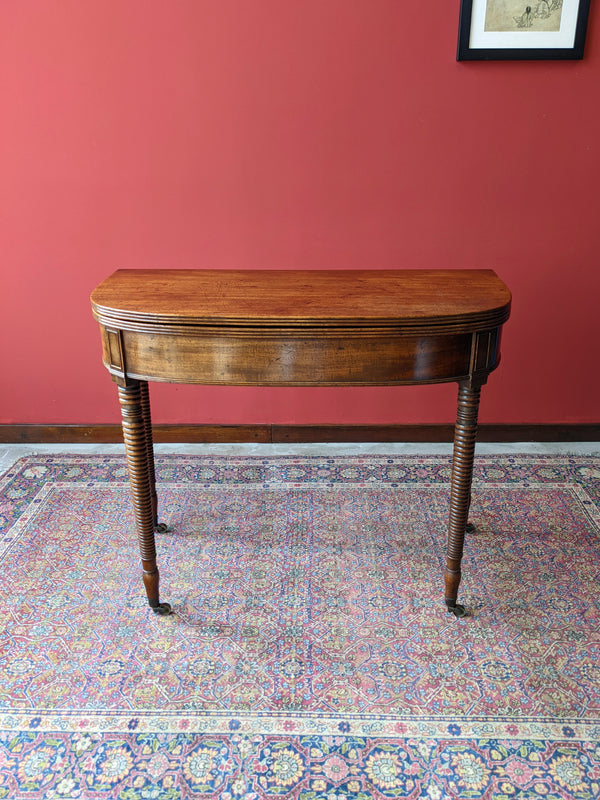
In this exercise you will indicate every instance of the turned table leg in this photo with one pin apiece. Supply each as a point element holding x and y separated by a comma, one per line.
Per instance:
<point>147,419</point>
<point>160,527</point>
<point>136,451</point>
<point>465,433</point>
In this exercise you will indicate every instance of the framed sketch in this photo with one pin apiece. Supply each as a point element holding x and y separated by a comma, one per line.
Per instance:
<point>521,29</point>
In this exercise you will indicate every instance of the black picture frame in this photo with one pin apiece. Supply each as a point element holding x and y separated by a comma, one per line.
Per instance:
<point>476,42</point>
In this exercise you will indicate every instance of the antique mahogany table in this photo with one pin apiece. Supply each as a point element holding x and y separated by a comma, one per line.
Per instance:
<point>298,328</point>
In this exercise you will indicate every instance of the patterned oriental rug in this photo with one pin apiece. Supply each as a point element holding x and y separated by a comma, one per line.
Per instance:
<point>310,654</point>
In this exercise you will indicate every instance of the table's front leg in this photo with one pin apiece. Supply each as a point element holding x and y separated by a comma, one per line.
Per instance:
<point>136,451</point>
<point>465,434</point>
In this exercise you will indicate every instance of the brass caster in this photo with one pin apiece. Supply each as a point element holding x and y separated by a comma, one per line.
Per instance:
<point>458,611</point>
<point>471,528</point>
<point>160,527</point>
<point>162,609</point>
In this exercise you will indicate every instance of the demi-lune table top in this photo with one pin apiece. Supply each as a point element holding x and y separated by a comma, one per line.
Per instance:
<point>428,298</point>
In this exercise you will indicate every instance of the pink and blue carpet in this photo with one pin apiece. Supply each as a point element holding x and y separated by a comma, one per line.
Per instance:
<point>310,655</point>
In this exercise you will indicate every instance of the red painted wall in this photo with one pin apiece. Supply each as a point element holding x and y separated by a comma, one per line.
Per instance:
<point>305,133</point>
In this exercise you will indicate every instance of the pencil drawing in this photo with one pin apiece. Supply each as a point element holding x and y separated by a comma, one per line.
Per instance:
<point>515,15</point>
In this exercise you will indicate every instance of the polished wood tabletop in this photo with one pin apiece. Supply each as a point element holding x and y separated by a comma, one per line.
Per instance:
<point>298,328</point>
<point>300,296</point>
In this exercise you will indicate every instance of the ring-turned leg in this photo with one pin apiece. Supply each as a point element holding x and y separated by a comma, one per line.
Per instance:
<point>160,527</point>
<point>136,451</point>
<point>465,433</point>
<point>147,418</point>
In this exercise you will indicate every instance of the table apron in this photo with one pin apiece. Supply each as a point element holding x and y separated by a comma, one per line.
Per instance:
<point>295,359</point>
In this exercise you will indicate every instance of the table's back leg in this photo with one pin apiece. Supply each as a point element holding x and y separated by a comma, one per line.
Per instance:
<point>147,418</point>
<point>136,451</point>
<point>160,527</point>
<point>465,433</point>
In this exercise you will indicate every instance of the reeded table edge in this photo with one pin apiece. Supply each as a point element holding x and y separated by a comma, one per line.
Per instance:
<point>455,320</point>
